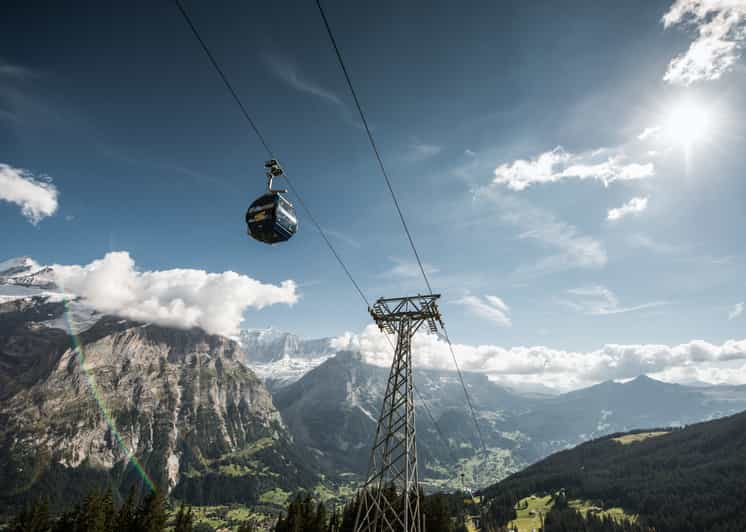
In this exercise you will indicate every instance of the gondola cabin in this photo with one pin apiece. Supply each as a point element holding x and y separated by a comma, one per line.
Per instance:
<point>271,219</point>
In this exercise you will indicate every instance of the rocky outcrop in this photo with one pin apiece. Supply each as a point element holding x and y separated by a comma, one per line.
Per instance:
<point>129,403</point>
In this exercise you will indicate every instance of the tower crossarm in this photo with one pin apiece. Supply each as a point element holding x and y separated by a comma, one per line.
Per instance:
<point>388,313</point>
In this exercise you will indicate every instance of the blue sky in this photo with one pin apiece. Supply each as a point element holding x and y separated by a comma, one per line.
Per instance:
<point>120,108</point>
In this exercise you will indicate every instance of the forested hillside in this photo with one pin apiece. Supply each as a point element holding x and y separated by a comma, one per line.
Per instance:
<point>683,480</point>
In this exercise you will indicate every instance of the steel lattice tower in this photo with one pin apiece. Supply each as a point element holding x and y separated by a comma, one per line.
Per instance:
<point>393,458</point>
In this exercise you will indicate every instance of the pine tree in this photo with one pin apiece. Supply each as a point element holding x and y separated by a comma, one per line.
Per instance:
<point>126,519</point>
<point>333,525</point>
<point>295,521</point>
<point>107,507</point>
<point>248,526</point>
<point>152,514</point>
<point>319,522</point>
<point>91,516</point>
<point>184,520</point>
<point>282,525</point>
<point>308,514</point>
<point>437,516</point>
<point>34,518</point>
<point>349,514</point>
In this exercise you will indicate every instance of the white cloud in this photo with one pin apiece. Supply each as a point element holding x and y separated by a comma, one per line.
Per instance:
<point>405,269</point>
<point>721,27</point>
<point>574,250</point>
<point>470,153</point>
<point>736,311</point>
<point>180,297</point>
<point>37,198</point>
<point>522,173</point>
<point>15,72</point>
<point>643,241</point>
<point>290,74</point>
<point>600,301</point>
<point>419,151</point>
<point>697,374</point>
<point>649,132</point>
<point>558,165</point>
<point>490,308</point>
<point>559,368</point>
<point>633,206</point>
<point>343,237</point>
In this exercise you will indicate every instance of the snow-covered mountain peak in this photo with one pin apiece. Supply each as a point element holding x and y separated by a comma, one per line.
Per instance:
<point>18,265</point>
<point>266,335</point>
<point>270,345</point>
<point>279,357</point>
<point>28,285</point>
<point>23,278</point>
<point>24,271</point>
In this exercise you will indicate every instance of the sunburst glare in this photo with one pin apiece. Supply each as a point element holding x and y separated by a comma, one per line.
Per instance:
<point>688,122</point>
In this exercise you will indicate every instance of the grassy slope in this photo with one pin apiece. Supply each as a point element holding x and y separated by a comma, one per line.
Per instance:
<point>639,436</point>
<point>227,517</point>
<point>529,512</point>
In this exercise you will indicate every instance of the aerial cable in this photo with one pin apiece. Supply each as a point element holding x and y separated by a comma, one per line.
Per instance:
<point>295,192</point>
<point>427,410</point>
<point>269,151</point>
<point>396,203</point>
<point>373,144</point>
<point>328,243</point>
<point>224,78</point>
<point>466,391</point>
<point>435,424</point>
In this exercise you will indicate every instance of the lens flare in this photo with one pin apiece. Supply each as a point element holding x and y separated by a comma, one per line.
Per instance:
<point>91,380</point>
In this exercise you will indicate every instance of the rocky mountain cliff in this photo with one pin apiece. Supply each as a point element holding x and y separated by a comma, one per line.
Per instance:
<point>128,403</point>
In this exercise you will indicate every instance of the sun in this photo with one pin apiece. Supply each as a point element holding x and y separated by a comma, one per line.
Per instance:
<point>688,122</point>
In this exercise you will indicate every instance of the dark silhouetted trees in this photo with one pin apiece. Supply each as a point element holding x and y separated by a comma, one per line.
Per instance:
<point>98,513</point>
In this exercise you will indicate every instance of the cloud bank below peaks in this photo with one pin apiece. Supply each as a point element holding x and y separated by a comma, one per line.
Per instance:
<point>181,298</point>
<point>562,369</point>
